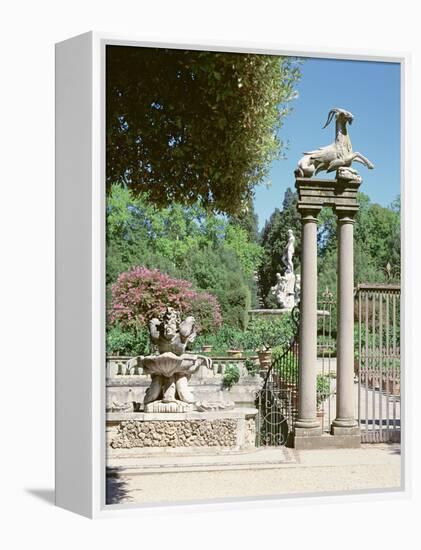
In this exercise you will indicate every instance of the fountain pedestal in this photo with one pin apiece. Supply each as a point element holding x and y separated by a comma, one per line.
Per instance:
<point>137,434</point>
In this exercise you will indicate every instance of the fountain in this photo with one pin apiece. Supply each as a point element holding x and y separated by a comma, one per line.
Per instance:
<point>171,416</point>
<point>287,285</point>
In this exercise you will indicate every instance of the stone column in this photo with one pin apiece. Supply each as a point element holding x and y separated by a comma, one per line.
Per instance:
<point>345,422</point>
<point>307,422</point>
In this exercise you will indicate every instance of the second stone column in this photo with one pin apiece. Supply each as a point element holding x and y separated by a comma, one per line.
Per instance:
<point>307,422</point>
<point>345,423</point>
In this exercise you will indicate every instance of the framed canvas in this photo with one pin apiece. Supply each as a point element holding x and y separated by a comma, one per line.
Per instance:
<point>219,340</point>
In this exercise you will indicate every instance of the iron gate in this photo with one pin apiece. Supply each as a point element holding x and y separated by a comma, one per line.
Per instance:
<point>277,400</point>
<point>378,365</point>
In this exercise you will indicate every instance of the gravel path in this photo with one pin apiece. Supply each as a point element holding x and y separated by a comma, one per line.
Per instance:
<point>371,467</point>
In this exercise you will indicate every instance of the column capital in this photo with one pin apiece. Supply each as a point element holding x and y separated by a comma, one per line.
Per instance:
<point>308,214</point>
<point>346,214</point>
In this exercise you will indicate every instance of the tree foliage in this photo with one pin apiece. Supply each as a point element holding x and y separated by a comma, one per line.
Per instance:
<point>376,243</point>
<point>195,126</point>
<point>210,251</point>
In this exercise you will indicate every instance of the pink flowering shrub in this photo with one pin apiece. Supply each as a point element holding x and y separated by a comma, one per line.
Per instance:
<point>140,294</point>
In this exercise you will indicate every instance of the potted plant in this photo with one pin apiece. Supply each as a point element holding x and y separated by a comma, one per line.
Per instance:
<point>231,376</point>
<point>267,334</point>
<point>233,343</point>
<point>265,357</point>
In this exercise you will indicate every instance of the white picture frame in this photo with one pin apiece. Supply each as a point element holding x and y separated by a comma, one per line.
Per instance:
<point>80,263</point>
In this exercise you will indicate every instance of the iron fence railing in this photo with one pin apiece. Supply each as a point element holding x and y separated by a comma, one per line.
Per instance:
<point>378,363</point>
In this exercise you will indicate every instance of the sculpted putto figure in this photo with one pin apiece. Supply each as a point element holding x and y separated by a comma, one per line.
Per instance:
<point>171,370</point>
<point>170,334</point>
<point>337,155</point>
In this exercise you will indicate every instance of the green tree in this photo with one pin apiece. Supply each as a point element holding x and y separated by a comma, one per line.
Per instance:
<point>248,253</point>
<point>195,126</point>
<point>376,242</point>
<point>183,242</point>
<point>248,220</point>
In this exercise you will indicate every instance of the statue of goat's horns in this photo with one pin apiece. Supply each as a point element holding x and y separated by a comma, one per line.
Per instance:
<point>331,114</point>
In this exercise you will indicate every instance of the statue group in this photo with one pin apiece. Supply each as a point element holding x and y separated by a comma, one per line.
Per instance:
<point>287,286</point>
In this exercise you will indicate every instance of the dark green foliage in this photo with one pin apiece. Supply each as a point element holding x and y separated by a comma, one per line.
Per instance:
<point>377,232</point>
<point>219,271</point>
<point>248,220</point>
<point>235,302</point>
<point>127,342</point>
<point>266,334</point>
<point>376,242</point>
<point>231,376</point>
<point>190,126</point>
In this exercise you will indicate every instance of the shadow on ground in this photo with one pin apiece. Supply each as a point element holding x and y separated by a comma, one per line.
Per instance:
<point>116,489</point>
<point>395,450</point>
<point>47,495</point>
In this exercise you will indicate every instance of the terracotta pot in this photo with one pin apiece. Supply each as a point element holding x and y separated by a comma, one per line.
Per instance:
<point>207,348</point>
<point>265,358</point>
<point>234,352</point>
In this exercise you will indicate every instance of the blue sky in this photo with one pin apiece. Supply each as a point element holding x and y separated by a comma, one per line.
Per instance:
<point>371,91</point>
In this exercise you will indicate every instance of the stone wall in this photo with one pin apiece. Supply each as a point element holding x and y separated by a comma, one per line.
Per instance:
<point>182,433</point>
<point>137,433</point>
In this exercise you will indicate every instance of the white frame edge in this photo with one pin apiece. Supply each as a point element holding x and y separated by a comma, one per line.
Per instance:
<point>80,273</point>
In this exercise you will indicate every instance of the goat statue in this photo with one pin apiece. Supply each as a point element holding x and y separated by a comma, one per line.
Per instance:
<point>336,156</point>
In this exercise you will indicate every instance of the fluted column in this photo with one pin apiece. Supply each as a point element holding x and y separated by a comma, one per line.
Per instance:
<point>345,343</point>
<point>307,419</point>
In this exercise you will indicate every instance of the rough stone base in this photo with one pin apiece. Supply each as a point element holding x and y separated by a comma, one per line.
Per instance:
<point>339,430</point>
<point>307,432</point>
<point>212,430</point>
<point>326,441</point>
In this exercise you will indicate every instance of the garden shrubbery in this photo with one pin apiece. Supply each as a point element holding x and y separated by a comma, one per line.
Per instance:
<point>268,333</point>
<point>140,294</point>
<point>231,376</point>
<point>260,334</point>
<point>129,342</point>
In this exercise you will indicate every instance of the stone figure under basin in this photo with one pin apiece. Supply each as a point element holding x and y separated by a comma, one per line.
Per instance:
<point>172,368</point>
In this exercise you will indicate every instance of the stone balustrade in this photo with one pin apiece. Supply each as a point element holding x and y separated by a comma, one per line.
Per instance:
<point>128,386</point>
